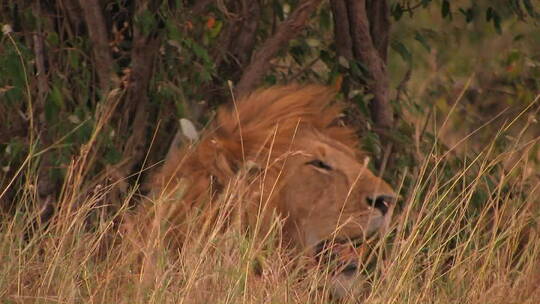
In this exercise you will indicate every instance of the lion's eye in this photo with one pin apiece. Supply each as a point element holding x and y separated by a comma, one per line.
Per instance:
<point>319,164</point>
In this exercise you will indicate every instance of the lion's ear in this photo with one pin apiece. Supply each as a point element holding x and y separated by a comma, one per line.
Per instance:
<point>188,130</point>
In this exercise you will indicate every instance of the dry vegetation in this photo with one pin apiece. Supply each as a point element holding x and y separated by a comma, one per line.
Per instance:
<point>466,233</point>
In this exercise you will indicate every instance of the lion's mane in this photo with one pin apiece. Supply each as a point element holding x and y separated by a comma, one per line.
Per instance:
<point>258,128</point>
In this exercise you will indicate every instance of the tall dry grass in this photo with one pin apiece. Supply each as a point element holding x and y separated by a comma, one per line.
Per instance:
<point>466,232</point>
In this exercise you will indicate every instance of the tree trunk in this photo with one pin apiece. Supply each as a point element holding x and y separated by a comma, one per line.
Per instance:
<point>361,32</point>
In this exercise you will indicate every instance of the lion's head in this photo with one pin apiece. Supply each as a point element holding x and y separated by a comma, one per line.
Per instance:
<point>305,166</point>
<point>327,192</point>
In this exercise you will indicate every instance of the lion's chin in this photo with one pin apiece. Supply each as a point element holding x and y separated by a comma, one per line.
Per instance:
<point>343,258</point>
<point>346,284</point>
<point>345,281</point>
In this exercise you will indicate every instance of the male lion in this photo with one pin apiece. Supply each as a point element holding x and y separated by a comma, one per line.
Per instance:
<point>297,161</point>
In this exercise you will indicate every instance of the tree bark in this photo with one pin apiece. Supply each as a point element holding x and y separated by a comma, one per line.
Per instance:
<point>379,25</point>
<point>362,31</point>
<point>243,43</point>
<point>45,185</point>
<point>260,61</point>
<point>342,29</point>
<point>365,50</point>
<point>142,58</point>
<point>95,23</point>
<point>237,40</point>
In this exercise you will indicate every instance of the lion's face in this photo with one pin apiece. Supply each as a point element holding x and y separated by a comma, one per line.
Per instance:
<point>329,193</point>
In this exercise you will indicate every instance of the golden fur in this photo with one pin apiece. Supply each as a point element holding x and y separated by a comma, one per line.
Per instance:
<point>270,137</point>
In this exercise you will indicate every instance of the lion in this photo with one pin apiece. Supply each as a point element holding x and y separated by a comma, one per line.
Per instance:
<point>298,162</point>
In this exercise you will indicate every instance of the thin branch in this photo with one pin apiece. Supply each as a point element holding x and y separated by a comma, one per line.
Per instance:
<point>200,6</point>
<point>304,69</point>
<point>72,10</point>
<point>402,86</point>
<point>97,31</point>
<point>260,61</point>
<point>410,8</point>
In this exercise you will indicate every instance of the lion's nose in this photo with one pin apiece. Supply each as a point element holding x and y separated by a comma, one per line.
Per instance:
<point>381,201</point>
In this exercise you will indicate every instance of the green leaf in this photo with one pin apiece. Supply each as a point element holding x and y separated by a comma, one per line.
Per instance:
<point>514,56</point>
<point>56,96</point>
<point>357,69</point>
<point>397,11</point>
<point>492,15</point>
<point>402,50</point>
<point>445,9</point>
<point>216,29</point>
<point>361,102</point>
<point>530,9</point>
<point>278,9</point>
<point>298,52</point>
<point>423,41</point>
<point>468,13</point>
<point>326,58</point>
<point>52,39</point>
<point>199,51</point>
<point>84,133</point>
<point>74,59</point>
<point>51,110</point>
<point>146,22</point>
<point>489,14</point>
<point>112,156</point>
<point>13,69</point>
<point>518,37</point>
<point>497,22</point>
<point>173,33</point>
<point>425,3</point>
<point>270,79</point>
<point>325,20</point>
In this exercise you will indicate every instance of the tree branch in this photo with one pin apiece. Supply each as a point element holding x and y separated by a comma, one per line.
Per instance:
<point>365,50</point>
<point>73,12</point>
<point>238,40</point>
<point>245,39</point>
<point>39,51</point>
<point>45,185</point>
<point>342,29</point>
<point>260,61</point>
<point>97,31</point>
<point>379,25</point>
<point>142,59</point>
